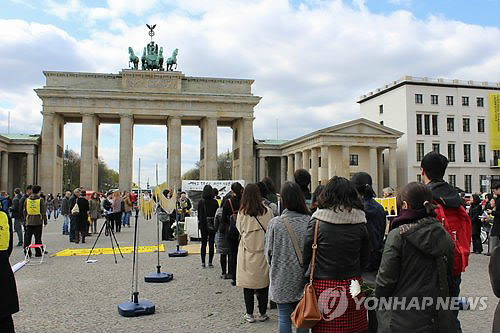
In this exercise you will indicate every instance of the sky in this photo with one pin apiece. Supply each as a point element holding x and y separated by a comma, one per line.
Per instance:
<point>310,59</point>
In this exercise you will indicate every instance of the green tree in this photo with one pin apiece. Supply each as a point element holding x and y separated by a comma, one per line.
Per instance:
<point>224,168</point>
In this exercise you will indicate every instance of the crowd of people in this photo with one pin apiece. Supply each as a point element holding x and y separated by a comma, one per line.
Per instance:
<point>266,240</point>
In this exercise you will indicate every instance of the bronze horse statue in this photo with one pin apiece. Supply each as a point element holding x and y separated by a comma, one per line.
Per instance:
<point>172,60</point>
<point>133,59</point>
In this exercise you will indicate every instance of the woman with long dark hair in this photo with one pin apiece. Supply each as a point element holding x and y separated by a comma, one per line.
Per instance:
<point>417,263</point>
<point>283,249</point>
<point>341,254</point>
<point>252,270</point>
<point>229,214</point>
<point>475,211</point>
<point>207,207</point>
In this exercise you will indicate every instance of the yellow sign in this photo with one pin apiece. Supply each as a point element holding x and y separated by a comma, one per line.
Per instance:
<point>108,250</point>
<point>494,100</point>
<point>389,205</point>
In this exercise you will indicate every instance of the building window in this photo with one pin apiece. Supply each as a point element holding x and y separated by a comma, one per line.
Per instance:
<point>381,109</point>
<point>468,183</point>
<point>381,122</point>
<point>483,183</point>
<point>419,124</point>
<point>434,124</point>
<point>452,180</point>
<point>465,100</point>
<point>449,100</point>
<point>496,158</point>
<point>480,125</point>
<point>480,102</point>
<point>482,153</point>
<point>427,124</point>
<point>450,124</point>
<point>467,157</point>
<point>434,99</point>
<point>451,152</point>
<point>419,178</point>
<point>419,99</point>
<point>420,151</point>
<point>466,125</point>
<point>319,162</point>
<point>435,147</point>
<point>353,159</point>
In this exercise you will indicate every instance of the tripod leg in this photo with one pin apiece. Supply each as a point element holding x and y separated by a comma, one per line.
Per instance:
<point>113,246</point>
<point>95,242</point>
<point>117,245</point>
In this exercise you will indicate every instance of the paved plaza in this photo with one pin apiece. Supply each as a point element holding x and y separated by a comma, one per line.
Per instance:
<point>65,294</point>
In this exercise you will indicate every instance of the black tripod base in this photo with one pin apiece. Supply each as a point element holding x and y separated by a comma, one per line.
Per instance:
<point>178,253</point>
<point>158,277</point>
<point>131,309</point>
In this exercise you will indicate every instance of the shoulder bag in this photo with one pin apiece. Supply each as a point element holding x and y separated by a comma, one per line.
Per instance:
<point>210,220</point>
<point>307,313</point>
<point>76,209</point>
<point>295,243</point>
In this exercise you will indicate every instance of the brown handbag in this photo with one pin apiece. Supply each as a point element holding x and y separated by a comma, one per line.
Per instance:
<point>307,313</point>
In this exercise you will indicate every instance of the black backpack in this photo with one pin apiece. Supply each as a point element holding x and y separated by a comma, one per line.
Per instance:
<point>232,232</point>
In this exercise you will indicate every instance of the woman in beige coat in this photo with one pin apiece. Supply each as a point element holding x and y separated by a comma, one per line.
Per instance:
<point>252,272</point>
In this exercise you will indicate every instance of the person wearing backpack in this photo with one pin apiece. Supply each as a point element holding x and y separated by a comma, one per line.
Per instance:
<point>283,250</point>
<point>207,208</point>
<point>451,213</point>
<point>229,215</point>
<point>36,216</point>
<point>252,271</point>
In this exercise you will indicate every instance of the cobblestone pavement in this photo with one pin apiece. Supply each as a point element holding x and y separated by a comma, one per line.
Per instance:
<point>65,294</point>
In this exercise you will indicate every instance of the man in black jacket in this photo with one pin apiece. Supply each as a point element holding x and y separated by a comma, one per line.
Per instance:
<point>10,303</point>
<point>17,214</point>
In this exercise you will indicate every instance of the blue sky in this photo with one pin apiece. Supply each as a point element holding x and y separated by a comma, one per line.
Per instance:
<point>310,59</point>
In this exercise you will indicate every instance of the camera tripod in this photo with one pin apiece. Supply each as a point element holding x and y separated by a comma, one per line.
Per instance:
<point>108,231</point>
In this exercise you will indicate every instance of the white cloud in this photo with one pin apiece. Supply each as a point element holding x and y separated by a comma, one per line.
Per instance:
<point>309,63</point>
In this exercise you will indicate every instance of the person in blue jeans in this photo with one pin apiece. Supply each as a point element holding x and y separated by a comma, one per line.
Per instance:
<point>66,212</point>
<point>285,258</point>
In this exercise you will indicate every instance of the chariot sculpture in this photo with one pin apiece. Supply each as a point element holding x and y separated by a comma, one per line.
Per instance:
<point>152,56</point>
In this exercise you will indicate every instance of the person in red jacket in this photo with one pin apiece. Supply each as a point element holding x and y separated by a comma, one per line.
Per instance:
<point>451,212</point>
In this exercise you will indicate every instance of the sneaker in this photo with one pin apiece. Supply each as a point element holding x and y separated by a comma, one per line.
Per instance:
<point>210,265</point>
<point>228,276</point>
<point>20,244</point>
<point>233,283</point>
<point>249,318</point>
<point>203,265</point>
<point>263,317</point>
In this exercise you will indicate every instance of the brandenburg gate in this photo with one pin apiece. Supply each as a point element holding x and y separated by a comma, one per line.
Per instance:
<point>133,96</point>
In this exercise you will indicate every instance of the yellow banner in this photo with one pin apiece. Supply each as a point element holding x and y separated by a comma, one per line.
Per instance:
<point>389,205</point>
<point>494,100</point>
<point>108,250</point>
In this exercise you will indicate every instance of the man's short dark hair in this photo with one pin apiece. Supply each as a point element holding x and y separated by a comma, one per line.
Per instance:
<point>495,184</point>
<point>302,178</point>
<point>36,189</point>
<point>29,187</point>
<point>434,165</point>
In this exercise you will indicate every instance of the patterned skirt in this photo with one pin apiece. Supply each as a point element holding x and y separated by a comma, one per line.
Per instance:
<point>338,308</point>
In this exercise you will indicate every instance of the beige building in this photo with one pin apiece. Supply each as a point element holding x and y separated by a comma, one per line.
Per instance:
<point>447,116</point>
<point>339,150</point>
<point>144,97</point>
<point>19,160</point>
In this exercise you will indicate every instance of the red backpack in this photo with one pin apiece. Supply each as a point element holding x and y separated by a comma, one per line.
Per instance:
<point>458,224</point>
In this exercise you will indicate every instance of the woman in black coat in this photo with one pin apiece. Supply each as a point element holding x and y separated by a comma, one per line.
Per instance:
<point>82,219</point>
<point>475,211</point>
<point>10,303</point>
<point>207,208</point>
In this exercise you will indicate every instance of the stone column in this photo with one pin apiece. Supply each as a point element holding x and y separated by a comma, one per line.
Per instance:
<point>324,165</point>
<point>282,170</point>
<point>380,169</point>
<point>393,168</point>
<point>314,169</point>
<point>262,167</point>
<point>4,184</point>
<point>305,159</point>
<point>345,162</point>
<point>126,151</point>
<point>208,162</point>
<point>298,161</point>
<point>174,153</point>
<point>48,153</point>
<point>30,168</point>
<point>372,155</point>
<point>89,162</point>
<point>247,160</point>
<point>290,168</point>
<point>331,162</point>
